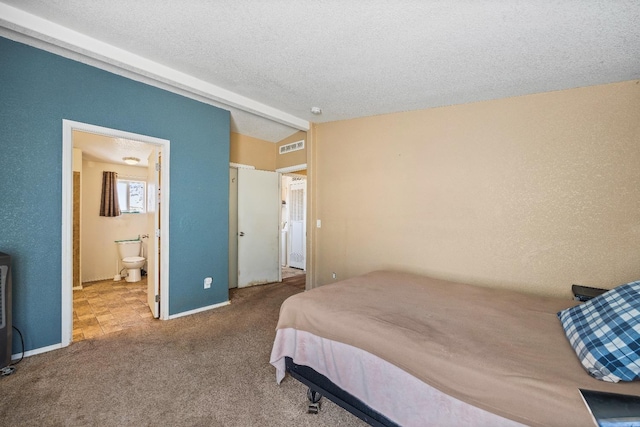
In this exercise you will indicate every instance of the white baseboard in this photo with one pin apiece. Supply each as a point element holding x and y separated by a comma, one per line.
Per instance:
<point>59,345</point>
<point>37,351</point>
<point>199,310</point>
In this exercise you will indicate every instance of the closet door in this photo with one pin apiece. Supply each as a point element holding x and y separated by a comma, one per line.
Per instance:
<point>258,227</point>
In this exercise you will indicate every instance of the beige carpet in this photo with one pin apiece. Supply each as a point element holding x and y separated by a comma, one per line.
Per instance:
<point>207,369</point>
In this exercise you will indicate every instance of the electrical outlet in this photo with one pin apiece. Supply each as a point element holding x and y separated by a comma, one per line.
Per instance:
<point>334,275</point>
<point>207,282</point>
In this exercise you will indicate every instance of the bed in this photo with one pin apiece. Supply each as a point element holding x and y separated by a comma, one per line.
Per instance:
<point>401,349</point>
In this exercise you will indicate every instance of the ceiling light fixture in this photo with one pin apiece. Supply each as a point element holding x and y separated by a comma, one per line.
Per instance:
<point>131,160</point>
<point>316,110</point>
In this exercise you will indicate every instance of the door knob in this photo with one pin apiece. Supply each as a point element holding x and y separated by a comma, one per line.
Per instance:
<point>241,233</point>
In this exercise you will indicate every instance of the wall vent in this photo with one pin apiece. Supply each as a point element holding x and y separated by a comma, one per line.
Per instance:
<point>293,146</point>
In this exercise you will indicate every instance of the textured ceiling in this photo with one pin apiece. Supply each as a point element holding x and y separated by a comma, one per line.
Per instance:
<point>101,148</point>
<point>358,58</point>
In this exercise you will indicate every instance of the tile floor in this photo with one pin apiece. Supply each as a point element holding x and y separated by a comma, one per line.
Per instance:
<point>108,306</point>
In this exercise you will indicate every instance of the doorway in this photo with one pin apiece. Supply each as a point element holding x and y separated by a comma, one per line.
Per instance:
<point>154,244</point>
<point>279,255</point>
<point>293,222</point>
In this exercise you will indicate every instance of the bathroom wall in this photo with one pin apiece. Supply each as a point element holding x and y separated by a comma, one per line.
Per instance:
<point>99,252</point>
<point>77,203</point>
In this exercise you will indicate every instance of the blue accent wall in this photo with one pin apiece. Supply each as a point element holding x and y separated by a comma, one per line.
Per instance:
<point>37,91</point>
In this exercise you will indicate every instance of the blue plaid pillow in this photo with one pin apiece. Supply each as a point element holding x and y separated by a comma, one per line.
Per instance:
<point>605,333</point>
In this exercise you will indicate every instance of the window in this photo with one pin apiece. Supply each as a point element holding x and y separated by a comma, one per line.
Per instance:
<point>131,195</point>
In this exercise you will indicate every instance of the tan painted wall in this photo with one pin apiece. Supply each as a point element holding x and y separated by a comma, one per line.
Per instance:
<point>251,151</point>
<point>263,154</point>
<point>534,192</point>
<point>294,158</point>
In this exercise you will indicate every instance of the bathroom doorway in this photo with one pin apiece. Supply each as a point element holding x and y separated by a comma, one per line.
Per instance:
<point>158,249</point>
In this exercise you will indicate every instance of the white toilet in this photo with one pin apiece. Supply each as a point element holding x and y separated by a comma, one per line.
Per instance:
<point>130,251</point>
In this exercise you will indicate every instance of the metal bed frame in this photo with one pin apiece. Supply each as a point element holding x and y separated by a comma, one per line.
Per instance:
<point>319,386</point>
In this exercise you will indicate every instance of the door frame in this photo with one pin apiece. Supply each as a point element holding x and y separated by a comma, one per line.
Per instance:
<point>68,126</point>
<point>293,169</point>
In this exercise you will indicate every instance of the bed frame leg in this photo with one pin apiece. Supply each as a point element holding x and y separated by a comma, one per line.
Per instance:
<point>314,397</point>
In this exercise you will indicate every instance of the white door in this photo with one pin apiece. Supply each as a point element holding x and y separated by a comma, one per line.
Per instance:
<point>153,227</point>
<point>258,227</point>
<point>297,221</point>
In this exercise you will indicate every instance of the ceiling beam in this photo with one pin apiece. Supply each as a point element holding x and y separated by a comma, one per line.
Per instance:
<point>45,34</point>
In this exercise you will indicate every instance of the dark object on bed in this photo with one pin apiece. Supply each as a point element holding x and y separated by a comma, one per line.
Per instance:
<point>321,384</point>
<point>585,293</point>
<point>612,409</point>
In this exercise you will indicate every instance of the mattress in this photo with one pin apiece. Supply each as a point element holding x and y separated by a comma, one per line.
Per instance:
<point>392,392</point>
<point>498,351</point>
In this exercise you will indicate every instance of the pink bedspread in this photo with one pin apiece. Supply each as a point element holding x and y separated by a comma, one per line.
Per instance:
<point>501,351</point>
